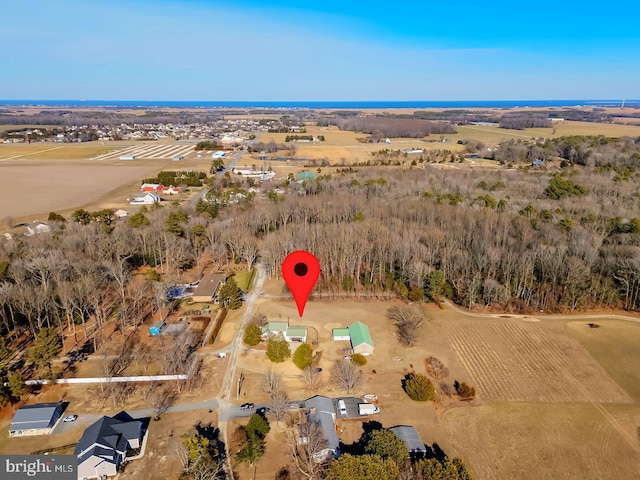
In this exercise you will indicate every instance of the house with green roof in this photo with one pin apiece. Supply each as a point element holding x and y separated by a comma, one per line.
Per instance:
<point>341,334</point>
<point>306,176</point>
<point>290,333</point>
<point>358,334</point>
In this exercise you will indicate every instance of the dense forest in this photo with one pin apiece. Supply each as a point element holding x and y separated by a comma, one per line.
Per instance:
<point>514,239</point>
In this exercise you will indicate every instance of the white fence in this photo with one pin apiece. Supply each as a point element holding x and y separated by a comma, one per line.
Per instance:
<point>138,378</point>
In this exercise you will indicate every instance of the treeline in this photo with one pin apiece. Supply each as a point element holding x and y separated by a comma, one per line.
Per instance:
<point>207,145</point>
<point>390,126</point>
<point>309,138</point>
<point>520,121</point>
<point>458,116</point>
<point>590,151</point>
<point>105,117</point>
<point>188,178</point>
<point>269,147</point>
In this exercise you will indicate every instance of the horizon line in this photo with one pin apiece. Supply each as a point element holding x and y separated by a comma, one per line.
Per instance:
<point>620,99</point>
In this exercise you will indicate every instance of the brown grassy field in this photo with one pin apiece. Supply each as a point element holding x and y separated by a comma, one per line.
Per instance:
<point>622,363</point>
<point>547,407</point>
<point>39,187</point>
<point>540,440</point>
<point>83,180</point>
<point>52,151</point>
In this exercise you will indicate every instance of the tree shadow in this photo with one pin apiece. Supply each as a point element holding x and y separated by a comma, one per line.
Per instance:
<point>434,451</point>
<point>212,434</point>
<point>357,448</point>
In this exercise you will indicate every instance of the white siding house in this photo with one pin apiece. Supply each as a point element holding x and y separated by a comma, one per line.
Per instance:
<point>148,198</point>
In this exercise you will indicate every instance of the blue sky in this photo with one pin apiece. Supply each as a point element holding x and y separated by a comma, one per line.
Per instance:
<point>329,50</point>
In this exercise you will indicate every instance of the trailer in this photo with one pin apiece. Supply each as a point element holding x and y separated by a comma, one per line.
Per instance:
<point>367,409</point>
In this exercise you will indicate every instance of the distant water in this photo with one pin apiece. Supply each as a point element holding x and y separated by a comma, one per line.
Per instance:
<point>321,105</point>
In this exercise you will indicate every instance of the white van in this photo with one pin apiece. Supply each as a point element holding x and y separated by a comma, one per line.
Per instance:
<point>342,407</point>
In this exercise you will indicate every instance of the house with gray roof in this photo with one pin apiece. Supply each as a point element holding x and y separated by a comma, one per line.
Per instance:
<point>410,437</point>
<point>37,419</point>
<point>104,445</point>
<point>321,410</point>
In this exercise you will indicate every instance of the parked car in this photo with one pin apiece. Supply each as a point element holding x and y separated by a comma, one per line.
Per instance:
<point>342,407</point>
<point>70,418</point>
<point>262,410</point>
<point>247,406</point>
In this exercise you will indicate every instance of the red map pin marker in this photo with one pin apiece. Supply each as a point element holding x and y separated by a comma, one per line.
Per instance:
<point>301,270</point>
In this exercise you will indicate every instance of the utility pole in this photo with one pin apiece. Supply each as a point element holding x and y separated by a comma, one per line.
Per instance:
<point>240,382</point>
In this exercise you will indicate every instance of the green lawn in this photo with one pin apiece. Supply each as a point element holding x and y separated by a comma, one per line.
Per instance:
<point>244,278</point>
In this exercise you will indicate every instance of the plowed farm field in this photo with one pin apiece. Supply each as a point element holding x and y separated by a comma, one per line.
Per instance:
<point>511,361</point>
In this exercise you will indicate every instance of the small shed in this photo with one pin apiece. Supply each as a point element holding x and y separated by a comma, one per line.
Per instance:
<point>341,334</point>
<point>156,328</point>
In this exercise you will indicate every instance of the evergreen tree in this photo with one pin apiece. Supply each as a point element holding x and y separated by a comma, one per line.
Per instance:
<point>4,396</point>
<point>418,387</point>
<point>363,467</point>
<point>464,390</point>
<point>434,285</point>
<point>258,425</point>
<point>46,347</point>
<point>207,208</point>
<point>278,349</point>
<point>138,220</point>
<point>256,430</point>
<point>17,387</point>
<point>5,354</point>
<point>303,356</point>
<point>56,217</point>
<point>230,294</point>
<point>252,334</point>
<point>385,444</point>
<point>81,216</point>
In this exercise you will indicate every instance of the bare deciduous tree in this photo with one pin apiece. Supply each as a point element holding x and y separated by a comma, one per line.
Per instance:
<point>346,375</point>
<point>305,444</point>
<point>161,398</point>
<point>278,403</point>
<point>271,381</point>
<point>312,378</point>
<point>258,318</point>
<point>407,320</point>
